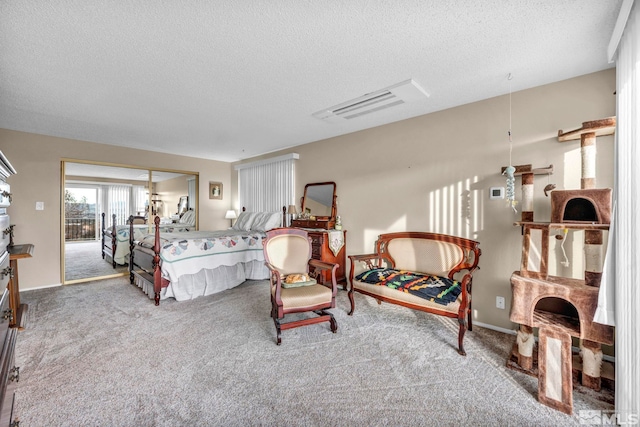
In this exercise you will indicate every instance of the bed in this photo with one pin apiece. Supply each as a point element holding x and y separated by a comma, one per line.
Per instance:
<point>116,241</point>
<point>186,265</point>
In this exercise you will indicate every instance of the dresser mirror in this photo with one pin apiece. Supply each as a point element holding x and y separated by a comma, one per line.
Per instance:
<point>319,200</point>
<point>183,205</point>
<point>318,206</point>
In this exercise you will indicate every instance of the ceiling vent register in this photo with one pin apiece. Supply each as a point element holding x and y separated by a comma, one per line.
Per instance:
<point>404,92</point>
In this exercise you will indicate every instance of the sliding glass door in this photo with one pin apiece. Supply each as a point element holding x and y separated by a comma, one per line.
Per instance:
<point>82,222</point>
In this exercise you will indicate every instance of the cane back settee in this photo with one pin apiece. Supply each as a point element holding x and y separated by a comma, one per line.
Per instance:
<point>406,264</point>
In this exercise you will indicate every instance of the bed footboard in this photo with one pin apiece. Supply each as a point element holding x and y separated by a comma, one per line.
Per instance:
<point>109,242</point>
<point>144,263</point>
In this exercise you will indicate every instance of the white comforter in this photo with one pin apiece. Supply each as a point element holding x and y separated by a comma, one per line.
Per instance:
<point>189,252</point>
<point>139,231</point>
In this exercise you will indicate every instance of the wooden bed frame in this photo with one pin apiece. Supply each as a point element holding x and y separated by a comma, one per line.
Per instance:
<point>109,246</point>
<point>150,264</point>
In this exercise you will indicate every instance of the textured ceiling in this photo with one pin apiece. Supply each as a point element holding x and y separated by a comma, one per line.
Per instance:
<point>228,80</point>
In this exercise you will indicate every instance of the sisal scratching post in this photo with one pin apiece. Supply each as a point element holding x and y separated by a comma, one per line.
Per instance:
<point>591,353</point>
<point>594,259</point>
<point>526,342</point>
<point>588,154</point>
<point>527,196</point>
<point>555,381</point>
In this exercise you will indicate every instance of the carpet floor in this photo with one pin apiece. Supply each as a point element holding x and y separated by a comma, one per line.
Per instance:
<point>83,260</point>
<point>101,354</point>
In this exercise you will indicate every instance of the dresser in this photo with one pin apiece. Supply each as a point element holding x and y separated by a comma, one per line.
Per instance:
<point>321,250</point>
<point>9,373</point>
<point>319,221</point>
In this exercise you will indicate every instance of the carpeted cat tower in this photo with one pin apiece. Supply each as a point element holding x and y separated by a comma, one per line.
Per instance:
<point>562,307</point>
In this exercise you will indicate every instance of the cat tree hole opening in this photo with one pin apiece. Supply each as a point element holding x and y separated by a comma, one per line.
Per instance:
<point>557,312</point>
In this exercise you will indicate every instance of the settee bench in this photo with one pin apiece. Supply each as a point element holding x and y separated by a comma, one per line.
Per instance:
<point>423,271</point>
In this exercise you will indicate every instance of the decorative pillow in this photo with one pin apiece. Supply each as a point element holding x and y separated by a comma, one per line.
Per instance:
<point>296,280</point>
<point>267,221</point>
<point>244,221</point>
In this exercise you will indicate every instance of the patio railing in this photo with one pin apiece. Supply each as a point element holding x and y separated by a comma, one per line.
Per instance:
<point>76,229</point>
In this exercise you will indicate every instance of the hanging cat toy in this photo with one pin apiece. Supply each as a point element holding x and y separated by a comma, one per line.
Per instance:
<point>510,171</point>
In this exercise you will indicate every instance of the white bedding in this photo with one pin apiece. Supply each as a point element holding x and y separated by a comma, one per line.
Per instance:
<point>199,263</point>
<point>184,253</point>
<point>139,231</point>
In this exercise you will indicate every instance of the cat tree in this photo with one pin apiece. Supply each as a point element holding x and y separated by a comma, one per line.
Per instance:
<point>562,307</point>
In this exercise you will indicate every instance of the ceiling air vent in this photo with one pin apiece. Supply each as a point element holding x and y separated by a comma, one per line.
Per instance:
<point>389,97</point>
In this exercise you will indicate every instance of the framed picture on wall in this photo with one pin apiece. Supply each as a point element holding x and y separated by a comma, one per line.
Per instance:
<point>215,190</point>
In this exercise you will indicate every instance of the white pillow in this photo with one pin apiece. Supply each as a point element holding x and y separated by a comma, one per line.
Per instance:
<point>244,221</point>
<point>258,218</point>
<point>189,217</point>
<point>267,221</point>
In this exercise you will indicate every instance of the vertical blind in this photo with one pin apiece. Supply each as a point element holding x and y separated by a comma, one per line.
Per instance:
<point>267,186</point>
<point>139,200</point>
<point>118,197</point>
<point>620,280</point>
<point>123,201</point>
<point>191,193</point>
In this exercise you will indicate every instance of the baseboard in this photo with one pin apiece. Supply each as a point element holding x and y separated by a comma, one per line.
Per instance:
<point>41,287</point>
<point>606,357</point>
<point>495,328</point>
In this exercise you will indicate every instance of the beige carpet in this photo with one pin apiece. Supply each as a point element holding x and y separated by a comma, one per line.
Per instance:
<point>84,260</point>
<point>101,354</point>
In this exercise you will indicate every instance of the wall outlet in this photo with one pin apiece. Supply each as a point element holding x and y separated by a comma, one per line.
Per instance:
<point>39,206</point>
<point>500,303</point>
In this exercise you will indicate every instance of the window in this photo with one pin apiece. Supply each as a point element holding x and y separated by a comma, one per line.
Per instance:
<point>267,185</point>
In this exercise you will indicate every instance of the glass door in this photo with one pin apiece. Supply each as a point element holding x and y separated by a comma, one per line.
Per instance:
<point>99,198</point>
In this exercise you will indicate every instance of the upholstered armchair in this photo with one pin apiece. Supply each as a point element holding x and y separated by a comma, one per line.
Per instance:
<point>293,284</point>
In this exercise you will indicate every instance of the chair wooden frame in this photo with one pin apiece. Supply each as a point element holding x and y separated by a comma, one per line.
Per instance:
<point>313,267</point>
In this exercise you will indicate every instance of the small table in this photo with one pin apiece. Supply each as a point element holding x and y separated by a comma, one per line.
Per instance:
<point>17,252</point>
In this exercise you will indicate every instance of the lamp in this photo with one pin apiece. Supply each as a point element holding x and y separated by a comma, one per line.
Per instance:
<point>292,211</point>
<point>230,215</point>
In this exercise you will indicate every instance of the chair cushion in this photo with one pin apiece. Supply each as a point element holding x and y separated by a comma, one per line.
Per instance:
<point>438,289</point>
<point>297,279</point>
<point>306,296</point>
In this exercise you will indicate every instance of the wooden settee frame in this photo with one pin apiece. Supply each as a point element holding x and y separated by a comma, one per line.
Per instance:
<point>462,257</point>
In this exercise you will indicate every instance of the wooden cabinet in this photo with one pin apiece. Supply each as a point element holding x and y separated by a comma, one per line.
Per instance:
<point>313,223</point>
<point>17,252</point>
<point>321,250</point>
<point>9,373</point>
